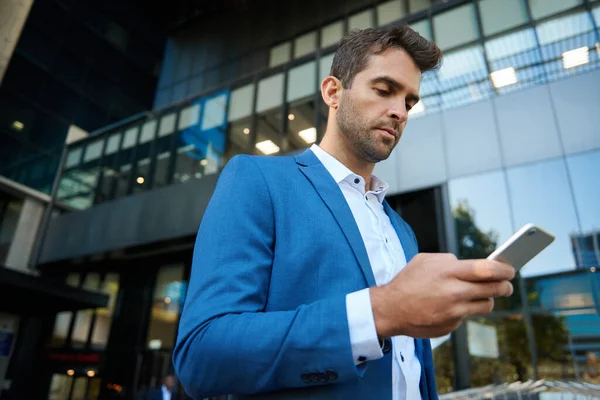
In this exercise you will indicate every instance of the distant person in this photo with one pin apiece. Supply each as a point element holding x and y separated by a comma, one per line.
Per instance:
<point>165,391</point>
<point>305,283</point>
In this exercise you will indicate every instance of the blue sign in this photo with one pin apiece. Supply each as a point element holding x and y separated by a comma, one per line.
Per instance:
<point>6,341</point>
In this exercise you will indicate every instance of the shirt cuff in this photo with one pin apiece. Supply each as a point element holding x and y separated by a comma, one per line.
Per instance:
<point>363,334</point>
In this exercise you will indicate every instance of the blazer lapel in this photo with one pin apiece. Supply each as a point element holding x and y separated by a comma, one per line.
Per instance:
<point>332,196</point>
<point>406,239</point>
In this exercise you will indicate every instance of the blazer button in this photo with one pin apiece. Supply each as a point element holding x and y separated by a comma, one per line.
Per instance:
<point>315,378</point>
<point>331,375</point>
<point>387,346</point>
<point>306,378</point>
<point>322,377</point>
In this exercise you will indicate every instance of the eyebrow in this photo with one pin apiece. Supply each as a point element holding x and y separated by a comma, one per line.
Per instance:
<point>396,85</point>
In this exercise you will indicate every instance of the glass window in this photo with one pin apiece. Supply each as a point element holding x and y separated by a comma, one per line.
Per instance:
<point>582,170</point>
<point>10,211</point>
<point>60,387</point>
<point>305,44</point>
<point>455,27</point>
<point>83,318</point>
<point>104,315</point>
<point>79,388</point>
<point>167,124</point>
<point>418,5</point>
<point>332,33</point>
<point>362,20</point>
<point>443,360</point>
<point>123,167</point>
<point>564,28</point>
<point>215,112</point>
<point>389,12</point>
<point>63,318</point>
<point>148,131</point>
<point>112,143</point>
<point>325,67</point>
<point>189,116</point>
<point>280,54</point>
<point>544,8</point>
<point>240,103</point>
<point>596,13</point>
<point>552,340</point>
<point>268,137</point>
<point>500,15</point>
<point>200,147</point>
<point>73,157</point>
<point>517,52</point>
<point>423,27</point>
<point>498,350</point>
<point>78,183</point>
<point>270,92</point>
<point>167,301</point>
<point>301,130</point>
<point>539,193</point>
<point>239,137</point>
<point>93,150</point>
<point>301,81</point>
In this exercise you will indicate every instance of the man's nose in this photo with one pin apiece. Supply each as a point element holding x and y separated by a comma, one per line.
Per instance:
<point>398,113</point>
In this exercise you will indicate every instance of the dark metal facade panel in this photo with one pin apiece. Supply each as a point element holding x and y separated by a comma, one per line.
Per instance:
<point>167,213</point>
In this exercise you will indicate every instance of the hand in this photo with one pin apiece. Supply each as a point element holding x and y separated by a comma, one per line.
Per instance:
<point>434,293</point>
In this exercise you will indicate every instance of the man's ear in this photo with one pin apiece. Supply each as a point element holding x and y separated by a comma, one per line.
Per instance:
<point>331,90</point>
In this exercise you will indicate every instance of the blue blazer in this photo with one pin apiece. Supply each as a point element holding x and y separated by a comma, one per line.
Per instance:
<point>265,313</point>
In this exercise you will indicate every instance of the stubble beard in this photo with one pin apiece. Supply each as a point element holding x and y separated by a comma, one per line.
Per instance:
<point>357,131</point>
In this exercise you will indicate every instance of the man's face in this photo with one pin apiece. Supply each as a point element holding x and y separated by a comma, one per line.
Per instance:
<point>169,382</point>
<point>374,110</point>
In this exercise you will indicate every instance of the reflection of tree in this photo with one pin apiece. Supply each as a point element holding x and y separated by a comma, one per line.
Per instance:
<point>472,241</point>
<point>514,361</point>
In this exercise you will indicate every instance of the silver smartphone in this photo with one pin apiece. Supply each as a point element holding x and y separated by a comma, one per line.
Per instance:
<point>521,247</point>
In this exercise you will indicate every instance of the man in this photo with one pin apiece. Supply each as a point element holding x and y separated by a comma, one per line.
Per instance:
<point>305,283</point>
<point>165,392</point>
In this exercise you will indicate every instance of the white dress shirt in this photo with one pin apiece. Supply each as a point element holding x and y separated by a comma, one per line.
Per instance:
<point>387,258</point>
<point>166,393</point>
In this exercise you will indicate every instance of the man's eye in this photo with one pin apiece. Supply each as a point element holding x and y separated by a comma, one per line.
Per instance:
<point>382,92</point>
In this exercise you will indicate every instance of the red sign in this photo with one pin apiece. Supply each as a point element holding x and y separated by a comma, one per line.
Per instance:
<point>81,358</point>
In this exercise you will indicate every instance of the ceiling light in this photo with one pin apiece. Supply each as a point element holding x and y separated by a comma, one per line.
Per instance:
<point>204,162</point>
<point>140,179</point>
<point>167,300</point>
<point>267,147</point>
<point>503,77</point>
<point>246,131</point>
<point>417,108</point>
<point>308,135</point>
<point>17,125</point>
<point>91,373</point>
<point>573,58</point>
<point>291,117</point>
<point>70,372</point>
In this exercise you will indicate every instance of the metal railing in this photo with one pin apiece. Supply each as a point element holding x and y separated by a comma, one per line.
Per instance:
<point>529,390</point>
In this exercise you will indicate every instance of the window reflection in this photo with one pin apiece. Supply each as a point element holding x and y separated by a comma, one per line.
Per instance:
<point>83,318</point>
<point>78,182</point>
<point>124,162</point>
<point>582,170</point>
<point>104,315</point>
<point>498,350</point>
<point>109,162</point>
<point>443,360</point>
<point>60,387</point>
<point>63,318</point>
<point>301,130</point>
<point>163,146</point>
<point>169,293</point>
<point>268,132</point>
<point>239,137</point>
<point>540,194</point>
<point>142,154</point>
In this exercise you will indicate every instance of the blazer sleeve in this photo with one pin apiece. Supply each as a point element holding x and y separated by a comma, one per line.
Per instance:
<point>226,342</point>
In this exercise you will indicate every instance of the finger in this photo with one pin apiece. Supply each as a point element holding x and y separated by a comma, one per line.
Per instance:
<point>478,307</point>
<point>485,290</point>
<point>482,270</point>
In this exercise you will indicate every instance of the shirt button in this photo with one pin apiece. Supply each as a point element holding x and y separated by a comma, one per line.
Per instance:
<point>386,240</point>
<point>356,180</point>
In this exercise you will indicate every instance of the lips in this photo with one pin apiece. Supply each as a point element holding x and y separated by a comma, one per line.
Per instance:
<point>391,131</point>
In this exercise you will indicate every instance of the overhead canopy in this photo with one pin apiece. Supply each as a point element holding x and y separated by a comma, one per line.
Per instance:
<point>25,294</point>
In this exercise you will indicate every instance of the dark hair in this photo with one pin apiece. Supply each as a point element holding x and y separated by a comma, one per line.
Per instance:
<point>357,46</point>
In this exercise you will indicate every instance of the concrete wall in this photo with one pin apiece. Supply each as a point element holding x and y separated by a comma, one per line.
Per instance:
<point>13,14</point>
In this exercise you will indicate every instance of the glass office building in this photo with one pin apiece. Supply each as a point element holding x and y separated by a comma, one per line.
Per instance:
<point>506,133</point>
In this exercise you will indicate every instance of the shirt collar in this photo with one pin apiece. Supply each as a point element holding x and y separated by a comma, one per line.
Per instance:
<point>340,173</point>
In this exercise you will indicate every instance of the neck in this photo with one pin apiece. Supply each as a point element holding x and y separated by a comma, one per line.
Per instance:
<point>334,144</point>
